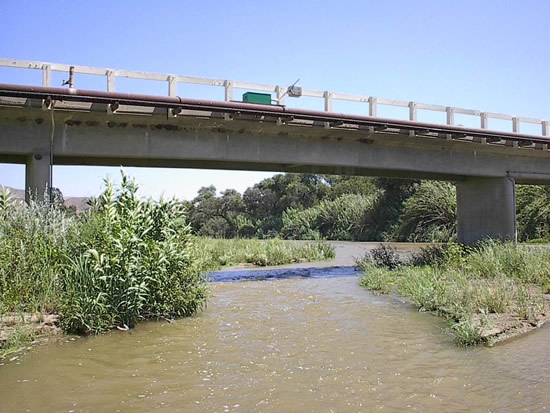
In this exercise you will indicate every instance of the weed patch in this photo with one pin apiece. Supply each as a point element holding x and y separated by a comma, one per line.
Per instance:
<point>217,253</point>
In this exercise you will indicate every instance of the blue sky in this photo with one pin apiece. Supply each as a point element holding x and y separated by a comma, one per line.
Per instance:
<point>487,55</point>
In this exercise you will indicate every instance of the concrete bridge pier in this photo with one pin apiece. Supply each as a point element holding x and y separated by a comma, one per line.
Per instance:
<point>37,175</point>
<point>486,208</point>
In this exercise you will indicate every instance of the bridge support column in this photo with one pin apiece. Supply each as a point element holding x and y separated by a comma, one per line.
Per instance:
<point>486,208</point>
<point>37,175</point>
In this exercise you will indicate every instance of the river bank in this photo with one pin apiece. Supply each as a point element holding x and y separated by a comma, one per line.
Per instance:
<point>20,332</point>
<point>488,294</point>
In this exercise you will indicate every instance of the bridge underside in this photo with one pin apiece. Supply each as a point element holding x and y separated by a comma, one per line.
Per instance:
<point>485,173</point>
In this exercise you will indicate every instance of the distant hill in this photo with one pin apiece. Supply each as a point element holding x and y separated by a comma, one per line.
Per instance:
<point>79,202</point>
<point>15,193</point>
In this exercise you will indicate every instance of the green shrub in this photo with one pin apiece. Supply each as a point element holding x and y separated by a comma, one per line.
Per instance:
<point>137,262</point>
<point>524,263</point>
<point>429,215</point>
<point>123,260</point>
<point>492,296</point>
<point>430,255</point>
<point>383,256</point>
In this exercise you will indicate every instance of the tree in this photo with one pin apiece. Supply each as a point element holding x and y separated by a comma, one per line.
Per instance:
<point>215,216</point>
<point>204,207</point>
<point>339,185</point>
<point>384,216</point>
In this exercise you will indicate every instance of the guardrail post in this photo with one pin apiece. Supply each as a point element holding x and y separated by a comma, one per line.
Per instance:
<point>172,86</point>
<point>372,106</point>
<point>484,119</point>
<point>110,81</point>
<point>450,112</point>
<point>172,92</point>
<point>545,132</point>
<point>328,105</point>
<point>46,75</point>
<point>328,101</point>
<point>412,111</point>
<point>412,115</point>
<point>515,129</point>
<point>450,116</point>
<point>515,124</point>
<point>228,95</point>
<point>228,85</point>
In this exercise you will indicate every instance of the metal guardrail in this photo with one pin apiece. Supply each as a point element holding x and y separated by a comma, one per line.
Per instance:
<point>329,97</point>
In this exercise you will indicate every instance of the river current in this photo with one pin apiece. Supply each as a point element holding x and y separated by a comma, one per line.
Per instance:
<point>304,343</point>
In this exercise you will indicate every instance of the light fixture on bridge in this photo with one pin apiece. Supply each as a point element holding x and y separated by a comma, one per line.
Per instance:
<point>294,91</point>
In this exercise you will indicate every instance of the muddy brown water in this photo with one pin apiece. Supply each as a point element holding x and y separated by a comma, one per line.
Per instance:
<point>302,343</point>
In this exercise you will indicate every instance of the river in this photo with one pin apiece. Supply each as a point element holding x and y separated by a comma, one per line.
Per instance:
<point>303,343</point>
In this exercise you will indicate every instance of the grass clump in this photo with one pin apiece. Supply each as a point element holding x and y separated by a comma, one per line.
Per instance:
<point>376,279</point>
<point>467,285</point>
<point>20,337</point>
<point>466,332</point>
<point>219,253</point>
<point>34,240</point>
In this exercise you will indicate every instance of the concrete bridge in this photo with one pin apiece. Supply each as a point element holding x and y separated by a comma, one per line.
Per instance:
<point>41,126</point>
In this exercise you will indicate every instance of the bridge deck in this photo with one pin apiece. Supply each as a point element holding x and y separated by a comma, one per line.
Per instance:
<point>124,103</point>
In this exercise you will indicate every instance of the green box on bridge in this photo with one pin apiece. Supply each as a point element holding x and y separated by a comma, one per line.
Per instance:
<point>261,98</point>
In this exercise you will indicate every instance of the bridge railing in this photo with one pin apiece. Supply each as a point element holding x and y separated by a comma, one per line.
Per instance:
<point>329,98</point>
